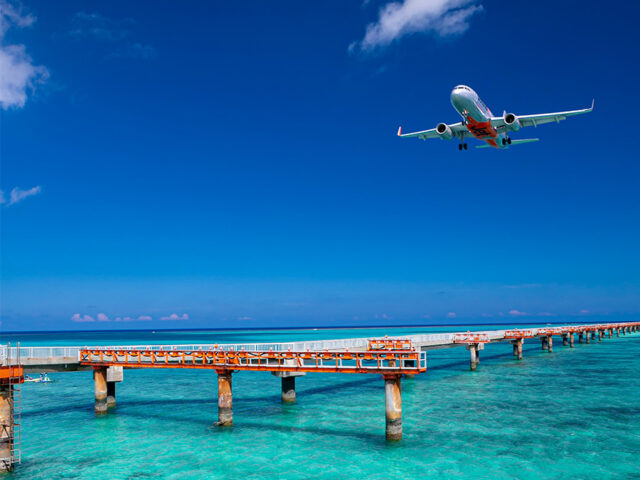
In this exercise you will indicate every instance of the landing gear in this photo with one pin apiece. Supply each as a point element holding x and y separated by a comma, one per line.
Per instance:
<point>506,141</point>
<point>509,140</point>
<point>462,146</point>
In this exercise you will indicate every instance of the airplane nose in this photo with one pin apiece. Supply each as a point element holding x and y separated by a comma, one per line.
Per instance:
<point>458,97</point>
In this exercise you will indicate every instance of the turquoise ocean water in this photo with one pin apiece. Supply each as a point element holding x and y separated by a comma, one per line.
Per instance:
<point>573,413</point>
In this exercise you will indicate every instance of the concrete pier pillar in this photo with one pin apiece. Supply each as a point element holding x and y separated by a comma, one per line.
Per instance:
<point>545,342</point>
<point>565,339</point>
<point>473,355</point>
<point>617,332</point>
<point>571,340</point>
<point>111,394</point>
<point>100,386</point>
<point>610,332</point>
<point>393,406</point>
<point>225,399</point>
<point>288,389</point>
<point>580,337</point>
<point>114,375</point>
<point>517,348</point>
<point>588,337</point>
<point>593,335</point>
<point>6,428</point>
<point>599,335</point>
<point>288,384</point>
<point>550,343</point>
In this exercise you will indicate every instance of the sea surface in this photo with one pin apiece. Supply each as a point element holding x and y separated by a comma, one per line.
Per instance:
<point>573,413</point>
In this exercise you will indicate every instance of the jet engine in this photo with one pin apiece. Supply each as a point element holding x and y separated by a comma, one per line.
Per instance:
<point>444,131</point>
<point>511,121</point>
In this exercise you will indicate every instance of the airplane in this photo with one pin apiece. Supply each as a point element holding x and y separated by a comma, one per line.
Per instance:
<point>479,122</point>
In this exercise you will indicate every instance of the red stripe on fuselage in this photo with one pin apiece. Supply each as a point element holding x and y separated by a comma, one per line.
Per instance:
<point>481,130</point>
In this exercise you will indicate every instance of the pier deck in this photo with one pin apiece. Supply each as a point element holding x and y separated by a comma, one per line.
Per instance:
<point>390,357</point>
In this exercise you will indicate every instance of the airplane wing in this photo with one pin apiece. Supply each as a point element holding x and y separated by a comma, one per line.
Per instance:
<point>458,129</point>
<point>539,119</point>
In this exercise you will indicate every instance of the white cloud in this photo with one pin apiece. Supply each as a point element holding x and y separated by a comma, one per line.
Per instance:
<point>584,311</point>
<point>103,318</point>
<point>397,19</point>
<point>451,315</point>
<point>245,318</point>
<point>517,313</point>
<point>76,317</point>
<point>18,194</point>
<point>144,318</point>
<point>18,74</point>
<point>175,316</point>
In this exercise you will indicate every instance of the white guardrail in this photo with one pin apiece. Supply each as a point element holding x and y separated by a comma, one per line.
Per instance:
<point>66,353</point>
<point>31,354</point>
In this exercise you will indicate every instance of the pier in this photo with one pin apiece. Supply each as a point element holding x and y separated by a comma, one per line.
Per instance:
<point>391,358</point>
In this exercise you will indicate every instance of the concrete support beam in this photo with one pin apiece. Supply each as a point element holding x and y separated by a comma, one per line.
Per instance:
<point>588,336</point>
<point>593,335</point>
<point>565,339</point>
<point>545,342</point>
<point>617,332</point>
<point>100,387</point>
<point>610,332</point>
<point>288,389</point>
<point>6,428</point>
<point>571,340</point>
<point>550,343</point>
<point>114,375</point>
<point>580,337</point>
<point>517,348</point>
<point>111,394</point>
<point>288,385</point>
<point>225,399</point>
<point>599,335</point>
<point>393,406</point>
<point>473,355</point>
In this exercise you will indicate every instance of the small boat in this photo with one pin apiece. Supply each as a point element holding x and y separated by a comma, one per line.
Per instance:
<point>43,378</point>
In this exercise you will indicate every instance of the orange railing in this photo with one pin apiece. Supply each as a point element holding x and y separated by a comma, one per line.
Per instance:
<point>11,374</point>
<point>389,344</point>
<point>470,338</point>
<point>519,333</point>
<point>409,362</point>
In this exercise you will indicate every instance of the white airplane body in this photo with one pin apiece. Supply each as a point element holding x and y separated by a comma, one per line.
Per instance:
<point>479,122</point>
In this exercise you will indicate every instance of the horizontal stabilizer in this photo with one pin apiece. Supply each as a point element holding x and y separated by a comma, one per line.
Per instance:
<point>524,140</point>
<point>513,142</point>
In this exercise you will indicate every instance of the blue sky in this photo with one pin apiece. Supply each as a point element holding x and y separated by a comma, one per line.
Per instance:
<point>235,164</point>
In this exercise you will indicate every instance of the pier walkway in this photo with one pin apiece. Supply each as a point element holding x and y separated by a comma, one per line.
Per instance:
<point>390,357</point>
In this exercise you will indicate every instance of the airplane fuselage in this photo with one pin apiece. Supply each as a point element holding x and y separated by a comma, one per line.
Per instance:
<point>476,116</point>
